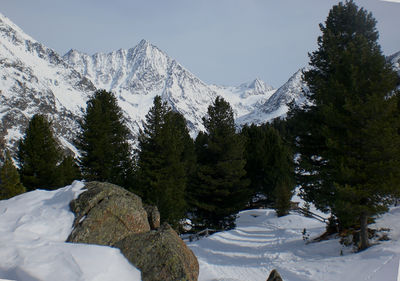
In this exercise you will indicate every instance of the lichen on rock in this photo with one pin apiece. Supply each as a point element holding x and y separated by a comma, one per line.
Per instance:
<point>107,213</point>
<point>160,255</point>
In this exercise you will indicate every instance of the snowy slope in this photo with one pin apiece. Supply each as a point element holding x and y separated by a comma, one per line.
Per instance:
<point>138,74</point>
<point>277,105</point>
<point>34,226</point>
<point>262,242</point>
<point>35,79</point>
<point>33,230</point>
<point>246,97</point>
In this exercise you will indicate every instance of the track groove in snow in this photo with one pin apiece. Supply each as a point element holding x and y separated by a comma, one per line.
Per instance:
<point>262,242</point>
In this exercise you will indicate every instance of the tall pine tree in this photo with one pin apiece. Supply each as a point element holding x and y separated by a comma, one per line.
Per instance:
<point>165,158</point>
<point>39,155</point>
<point>103,142</point>
<point>349,143</point>
<point>220,188</point>
<point>10,184</point>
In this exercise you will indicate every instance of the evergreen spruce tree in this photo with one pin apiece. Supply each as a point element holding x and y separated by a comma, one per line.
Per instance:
<point>269,165</point>
<point>68,171</point>
<point>39,155</point>
<point>10,184</point>
<point>348,139</point>
<point>220,188</point>
<point>103,142</point>
<point>165,159</point>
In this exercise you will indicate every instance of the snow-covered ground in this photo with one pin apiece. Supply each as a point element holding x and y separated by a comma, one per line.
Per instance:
<point>34,226</point>
<point>262,242</point>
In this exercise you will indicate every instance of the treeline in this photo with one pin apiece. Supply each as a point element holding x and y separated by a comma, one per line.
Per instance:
<point>208,179</point>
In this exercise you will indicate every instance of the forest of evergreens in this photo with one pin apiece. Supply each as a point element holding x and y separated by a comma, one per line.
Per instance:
<point>342,148</point>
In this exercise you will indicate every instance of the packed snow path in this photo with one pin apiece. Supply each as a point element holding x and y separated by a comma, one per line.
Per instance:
<point>262,242</point>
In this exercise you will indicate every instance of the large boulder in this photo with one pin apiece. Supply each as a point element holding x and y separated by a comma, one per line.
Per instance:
<point>105,214</point>
<point>161,255</point>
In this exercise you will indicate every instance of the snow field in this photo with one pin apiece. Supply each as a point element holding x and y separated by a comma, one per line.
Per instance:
<point>262,242</point>
<point>33,230</point>
<point>34,226</point>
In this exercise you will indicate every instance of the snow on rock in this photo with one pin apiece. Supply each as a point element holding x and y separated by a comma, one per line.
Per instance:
<point>262,242</point>
<point>35,79</point>
<point>138,74</point>
<point>277,105</point>
<point>33,230</point>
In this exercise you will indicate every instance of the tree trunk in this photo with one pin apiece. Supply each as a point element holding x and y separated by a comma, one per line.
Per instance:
<point>364,243</point>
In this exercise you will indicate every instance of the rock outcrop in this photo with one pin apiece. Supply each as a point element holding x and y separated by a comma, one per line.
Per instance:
<point>106,214</point>
<point>274,276</point>
<point>161,255</point>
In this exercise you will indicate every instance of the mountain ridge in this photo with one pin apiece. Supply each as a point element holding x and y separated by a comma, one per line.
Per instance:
<point>36,79</point>
<point>138,74</point>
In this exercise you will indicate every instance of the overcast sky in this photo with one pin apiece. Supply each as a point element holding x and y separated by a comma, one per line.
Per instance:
<point>224,42</point>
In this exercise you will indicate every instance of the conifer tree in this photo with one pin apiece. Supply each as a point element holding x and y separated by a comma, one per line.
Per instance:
<point>68,171</point>
<point>220,187</point>
<point>165,157</point>
<point>39,155</point>
<point>269,165</point>
<point>10,184</point>
<point>348,139</point>
<point>103,142</point>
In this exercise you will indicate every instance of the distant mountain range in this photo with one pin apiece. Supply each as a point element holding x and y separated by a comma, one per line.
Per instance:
<point>35,79</point>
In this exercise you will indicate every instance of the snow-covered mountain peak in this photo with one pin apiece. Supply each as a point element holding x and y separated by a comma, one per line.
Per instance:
<point>146,46</point>
<point>255,87</point>
<point>35,79</point>
<point>277,105</point>
<point>121,70</point>
<point>12,32</point>
<point>140,73</point>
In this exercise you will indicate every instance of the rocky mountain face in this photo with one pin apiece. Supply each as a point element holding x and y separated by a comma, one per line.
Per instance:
<point>293,90</point>
<point>137,75</point>
<point>35,79</point>
<point>277,105</point>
